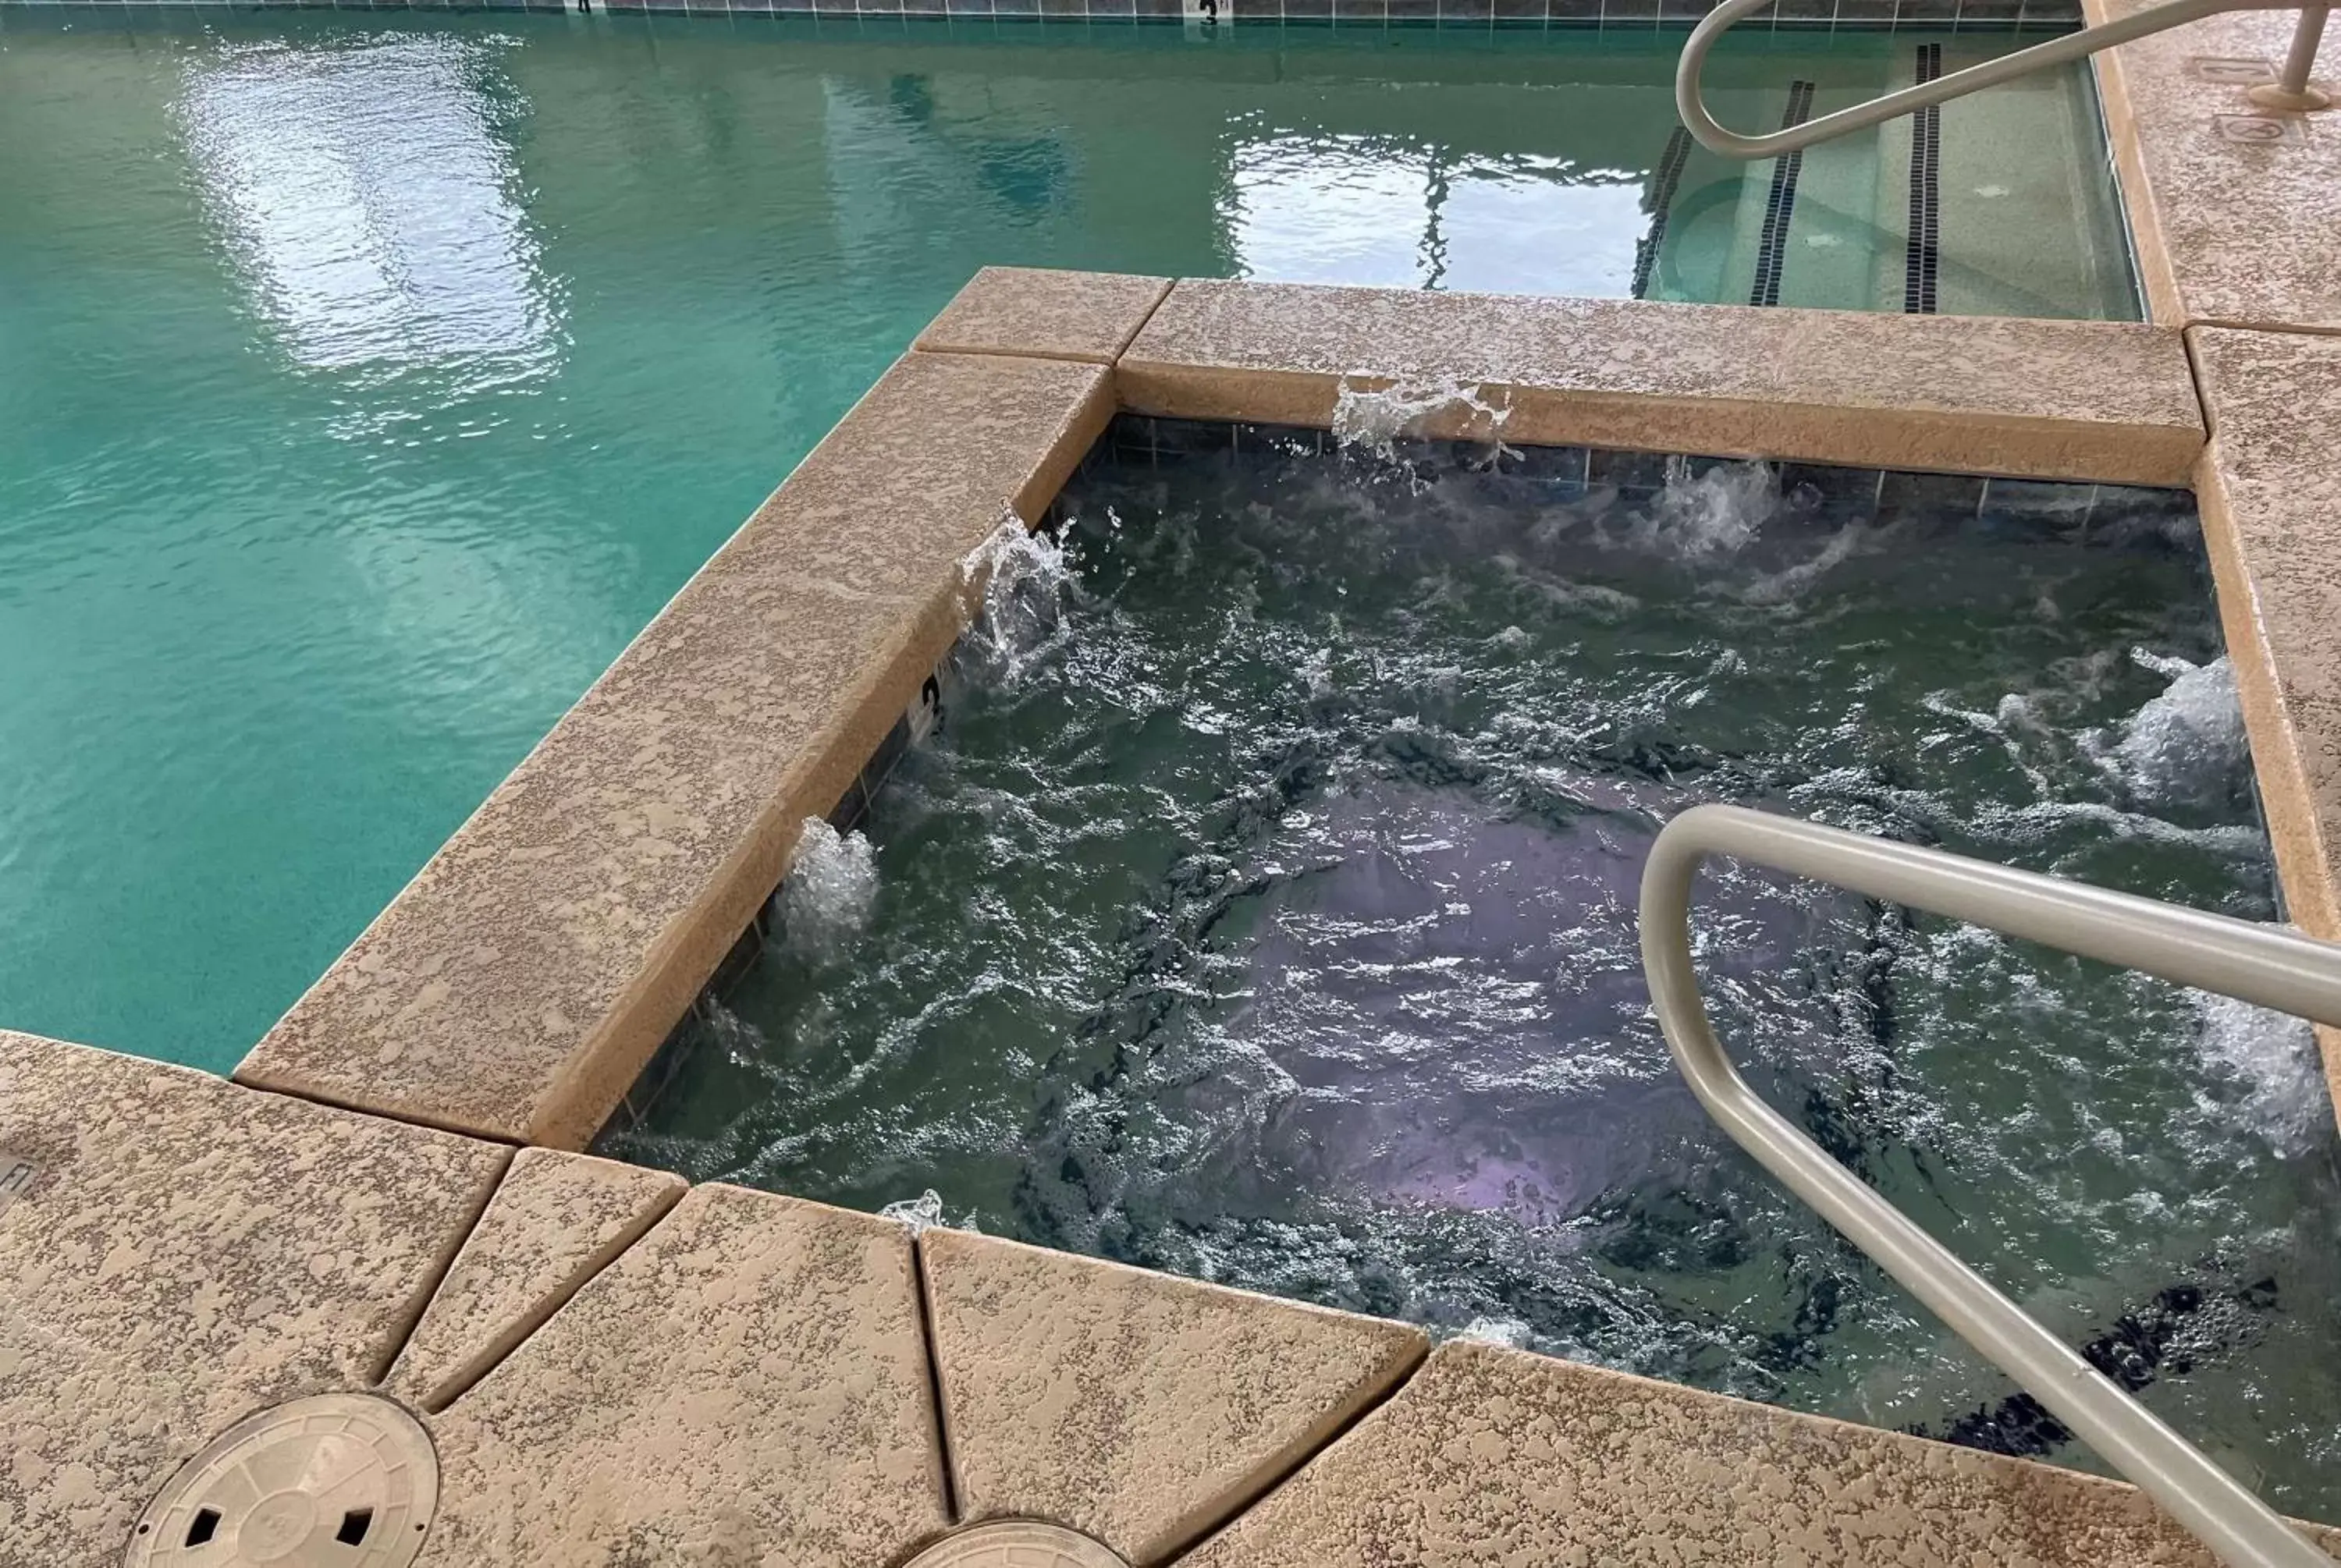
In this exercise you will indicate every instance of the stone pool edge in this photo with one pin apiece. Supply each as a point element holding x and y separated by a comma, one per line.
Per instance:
<point>546,1300</point>
<point>518,985</point>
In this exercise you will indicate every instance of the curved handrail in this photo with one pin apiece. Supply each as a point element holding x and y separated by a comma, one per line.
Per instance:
<point>2271,967</point>
<point>1711,135</point>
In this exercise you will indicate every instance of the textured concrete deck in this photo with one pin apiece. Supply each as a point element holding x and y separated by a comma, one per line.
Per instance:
<point>1088,317</point>
<point>188,1252</point>
<point>745,1379</point>
<point>2235,208</point>
<point>1492,1457</point>
<point>2270,493</point>
<point>1139,1408</point>
<point>2037,399</point>
<point>617,1372</point>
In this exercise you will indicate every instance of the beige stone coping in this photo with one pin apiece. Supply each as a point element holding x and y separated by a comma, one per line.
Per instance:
<point>2269,490</point>
<point>752,1379</point>
<point>518,984</point>
<point>186,1251</point>
<point>556,1220</point>
<point>1139,1408</point>
<point>747,1384</point>
<point>1057,315</point>
<point>2099,401</point>
<point>2227,231</point>
<point>1492,1458</point>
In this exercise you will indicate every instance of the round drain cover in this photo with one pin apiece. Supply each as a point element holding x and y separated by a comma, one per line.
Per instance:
<point>337,1481</point>
<point>1017,1544</point>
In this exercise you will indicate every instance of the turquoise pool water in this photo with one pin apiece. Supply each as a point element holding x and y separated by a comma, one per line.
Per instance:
<point>367,383</point>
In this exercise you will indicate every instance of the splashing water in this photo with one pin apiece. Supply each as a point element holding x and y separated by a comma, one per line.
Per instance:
<point>2272,1061</point>
<point>829,894</point>
<point>1511,1333</point>
<point>1372,420</point>
<point>2187,746</point>
<point>1018,582</point>
<point>925,1213</point>
<point>1715,511</point>
<point>1264,911</point>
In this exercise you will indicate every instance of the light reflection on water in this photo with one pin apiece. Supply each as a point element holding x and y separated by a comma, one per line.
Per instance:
<point>371,380</point>
<point>373,208</point>
<point>1336,209</point>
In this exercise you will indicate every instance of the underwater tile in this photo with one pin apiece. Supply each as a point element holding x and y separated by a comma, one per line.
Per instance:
<point>1931,495</point>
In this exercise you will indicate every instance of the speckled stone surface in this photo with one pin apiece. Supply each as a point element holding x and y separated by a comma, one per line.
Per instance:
<point>747,1384</point>
<point>2048,399</point>
<point>518,984</point>
<point>1052,314</point>
<point>2270,497</point>
<point>1142,1408</point>
<point>2238,233</point>
<point>1493,1458</point>
<point>191,1252</point>
<point>556,1220</point>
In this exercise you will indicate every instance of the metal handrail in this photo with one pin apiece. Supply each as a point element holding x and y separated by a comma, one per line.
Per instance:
<point>2291,91</point>
<point>2265,965</point>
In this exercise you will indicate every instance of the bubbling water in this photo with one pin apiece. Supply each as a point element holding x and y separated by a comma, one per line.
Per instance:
<point>829,892</point>
<point>1263,909</point>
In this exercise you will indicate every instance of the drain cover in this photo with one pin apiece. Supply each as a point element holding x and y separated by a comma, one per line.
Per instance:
<point>1017,1544</point>
<point>337,1481</point>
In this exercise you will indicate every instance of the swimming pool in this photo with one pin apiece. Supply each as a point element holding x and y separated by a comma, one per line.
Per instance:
<point>1262,909</point>
<point>369,381</point>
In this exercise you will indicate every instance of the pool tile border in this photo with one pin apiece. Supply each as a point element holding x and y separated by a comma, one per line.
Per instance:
<point>1464,15</point>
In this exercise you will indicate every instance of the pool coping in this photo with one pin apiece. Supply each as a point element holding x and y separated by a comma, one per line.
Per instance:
<point>519,983</point>
<point>613,1365</point>
<point>579,1298</point>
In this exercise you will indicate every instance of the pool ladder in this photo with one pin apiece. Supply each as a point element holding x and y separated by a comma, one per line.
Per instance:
<point>2267,964</point>
<point>2290,91</point>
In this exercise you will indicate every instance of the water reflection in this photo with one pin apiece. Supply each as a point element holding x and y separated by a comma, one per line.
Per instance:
<point>372,207</point>
<point>1362,209</point>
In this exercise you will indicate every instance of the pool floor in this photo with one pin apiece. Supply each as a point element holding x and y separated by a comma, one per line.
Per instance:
<point>370,382</point>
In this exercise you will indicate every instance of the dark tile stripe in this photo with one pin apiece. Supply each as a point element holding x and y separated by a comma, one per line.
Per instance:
<point>1920,255</point>
<point>1780,205</point>
<point>1477,15</point>
<point>1662,199</point>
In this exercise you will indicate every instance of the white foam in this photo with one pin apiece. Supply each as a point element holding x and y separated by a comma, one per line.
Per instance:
<point>2273,1060</point>
<point>924,1213</point>
<point>831,890</point>
<point>1509,1331</point>
<point>1375,418</point>
<point>1017,582</point>
<point>2187,743</point>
